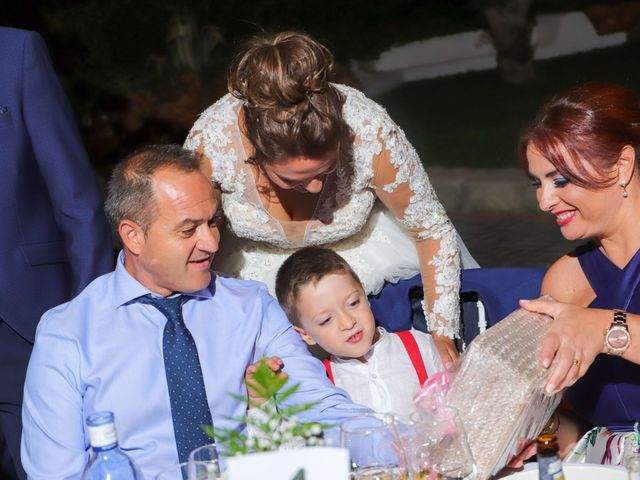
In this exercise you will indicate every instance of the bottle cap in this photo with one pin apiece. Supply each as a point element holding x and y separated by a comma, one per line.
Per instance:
<point>102,430</point>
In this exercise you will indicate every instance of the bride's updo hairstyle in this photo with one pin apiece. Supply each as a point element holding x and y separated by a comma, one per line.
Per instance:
<point>290,108</point>
<point>582,131</point>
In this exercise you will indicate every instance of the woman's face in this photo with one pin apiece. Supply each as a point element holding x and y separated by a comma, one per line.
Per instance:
<point>301,173</point>
<point>580,213</point>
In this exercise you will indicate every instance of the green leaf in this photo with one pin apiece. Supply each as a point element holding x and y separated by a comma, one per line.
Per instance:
<point>270,386</point>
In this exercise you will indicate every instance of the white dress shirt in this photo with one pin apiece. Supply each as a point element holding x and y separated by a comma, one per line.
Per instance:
<point>103,351</point>
<point>388,381</point>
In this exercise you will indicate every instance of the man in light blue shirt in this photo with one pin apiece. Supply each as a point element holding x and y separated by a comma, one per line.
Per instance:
<point>104,349</point>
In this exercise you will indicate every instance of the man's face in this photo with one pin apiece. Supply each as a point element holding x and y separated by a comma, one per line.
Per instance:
<point>175,254</point>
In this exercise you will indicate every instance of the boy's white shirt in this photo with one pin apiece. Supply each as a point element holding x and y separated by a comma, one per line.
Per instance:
<point>388,381</point>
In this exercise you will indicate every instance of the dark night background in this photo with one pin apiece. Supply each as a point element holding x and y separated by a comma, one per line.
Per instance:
<point>139,72</point>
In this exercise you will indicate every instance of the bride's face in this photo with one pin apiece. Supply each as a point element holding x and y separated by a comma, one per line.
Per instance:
<point>301,173</point>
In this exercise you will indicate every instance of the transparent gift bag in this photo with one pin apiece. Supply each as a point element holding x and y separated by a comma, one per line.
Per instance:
<point>497,387</point>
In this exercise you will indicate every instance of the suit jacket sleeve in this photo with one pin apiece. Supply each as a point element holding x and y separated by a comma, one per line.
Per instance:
<point>65,166</point>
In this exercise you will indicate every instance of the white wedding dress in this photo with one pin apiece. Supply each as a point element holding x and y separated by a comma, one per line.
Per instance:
<point>378,244</point>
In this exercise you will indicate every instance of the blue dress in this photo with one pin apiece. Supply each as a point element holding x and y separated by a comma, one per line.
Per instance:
<point>609,393</point>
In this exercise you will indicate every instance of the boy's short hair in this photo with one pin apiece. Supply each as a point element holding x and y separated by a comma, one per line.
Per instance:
<point>309,264</point>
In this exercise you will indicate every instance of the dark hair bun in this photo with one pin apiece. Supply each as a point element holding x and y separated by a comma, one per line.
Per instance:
<point>281,73</point>
<point>290,108</point>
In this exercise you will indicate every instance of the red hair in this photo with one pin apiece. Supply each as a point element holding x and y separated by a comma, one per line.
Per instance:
<point>583,131</point>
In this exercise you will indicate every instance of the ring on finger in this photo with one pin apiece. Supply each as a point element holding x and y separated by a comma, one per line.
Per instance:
<point>576,363</point>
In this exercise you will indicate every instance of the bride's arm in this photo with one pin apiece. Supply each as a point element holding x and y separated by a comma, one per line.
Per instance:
<point>403,186</point>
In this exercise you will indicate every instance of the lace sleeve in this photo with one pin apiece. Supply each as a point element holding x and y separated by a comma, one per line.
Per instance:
<point>403,186</point>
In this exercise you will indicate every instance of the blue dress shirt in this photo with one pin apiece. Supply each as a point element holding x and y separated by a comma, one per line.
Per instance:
<point>102,351</point>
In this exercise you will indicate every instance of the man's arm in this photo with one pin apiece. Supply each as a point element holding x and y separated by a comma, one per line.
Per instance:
<point>53,442</point>
<point>65,166</point>
<point>280,339</point>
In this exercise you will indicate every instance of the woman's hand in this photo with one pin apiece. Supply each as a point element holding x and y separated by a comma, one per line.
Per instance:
<point>446,350</point>
<point>574,339</point>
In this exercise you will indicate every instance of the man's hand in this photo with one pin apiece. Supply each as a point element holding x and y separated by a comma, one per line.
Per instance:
<point>526,449</point>
<point>275,364</point>
<point>446,350</point>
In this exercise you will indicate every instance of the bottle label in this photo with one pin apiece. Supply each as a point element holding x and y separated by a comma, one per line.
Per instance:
<point>550,468</point>
<point>103,437</point>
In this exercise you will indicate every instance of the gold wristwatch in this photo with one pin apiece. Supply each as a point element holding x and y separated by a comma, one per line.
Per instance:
<point>617,338</point>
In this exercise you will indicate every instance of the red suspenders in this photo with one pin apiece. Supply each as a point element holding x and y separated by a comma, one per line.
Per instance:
<point>410,345</point>
<point>327,367</point>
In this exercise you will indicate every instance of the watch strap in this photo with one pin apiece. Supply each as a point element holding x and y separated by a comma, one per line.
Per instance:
<point>620,318</point>
<point>619,323</point>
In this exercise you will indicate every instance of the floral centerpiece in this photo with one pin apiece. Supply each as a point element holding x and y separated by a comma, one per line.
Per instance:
<point>270,425</point>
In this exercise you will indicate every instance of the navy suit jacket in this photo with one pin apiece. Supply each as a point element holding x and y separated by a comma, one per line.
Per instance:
<point>53,233</point>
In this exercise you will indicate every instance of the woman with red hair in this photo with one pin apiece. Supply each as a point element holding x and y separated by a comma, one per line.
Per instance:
<point>581,154</point>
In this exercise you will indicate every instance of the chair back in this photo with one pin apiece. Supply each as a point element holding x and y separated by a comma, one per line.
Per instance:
<point>489,294</point>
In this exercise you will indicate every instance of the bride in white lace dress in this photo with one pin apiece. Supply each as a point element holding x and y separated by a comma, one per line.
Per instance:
<point>302,161</point>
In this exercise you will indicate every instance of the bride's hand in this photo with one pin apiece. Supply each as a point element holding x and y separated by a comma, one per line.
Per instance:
<point>573,340</point>
<point>446,350</point>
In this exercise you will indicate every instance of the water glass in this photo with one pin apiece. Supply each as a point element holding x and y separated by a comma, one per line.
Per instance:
<point>377,446</point>
<point>440,446</point>
<point>631,456</point>
<point>190,471</point>
<point>206,453</point>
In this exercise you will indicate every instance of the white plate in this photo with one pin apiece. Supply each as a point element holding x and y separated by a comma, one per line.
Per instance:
<point>575,471</point>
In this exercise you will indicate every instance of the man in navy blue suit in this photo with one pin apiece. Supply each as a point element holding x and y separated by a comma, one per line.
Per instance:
<point>53,235</point>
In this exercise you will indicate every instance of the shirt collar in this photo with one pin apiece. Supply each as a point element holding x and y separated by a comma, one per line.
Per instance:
<point>126,288</point>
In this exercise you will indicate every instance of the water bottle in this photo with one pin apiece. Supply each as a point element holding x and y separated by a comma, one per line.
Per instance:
<point>108,462</point>
<point>549,464</point>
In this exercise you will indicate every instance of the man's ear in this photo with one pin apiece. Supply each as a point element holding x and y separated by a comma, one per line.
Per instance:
<point>132,236</point>
<point>626,163</point>
<point>305,336</point>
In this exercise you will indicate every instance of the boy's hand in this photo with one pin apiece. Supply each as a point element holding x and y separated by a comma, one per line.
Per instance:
<point>275,364</point>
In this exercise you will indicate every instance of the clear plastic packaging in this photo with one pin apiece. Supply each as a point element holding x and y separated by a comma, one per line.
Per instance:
<point>498,389</point>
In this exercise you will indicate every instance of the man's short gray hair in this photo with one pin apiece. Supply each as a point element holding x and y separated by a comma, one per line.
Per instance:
<point>130,190</point>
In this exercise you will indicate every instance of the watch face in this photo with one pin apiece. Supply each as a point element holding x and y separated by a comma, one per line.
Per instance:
<point>617,338</point>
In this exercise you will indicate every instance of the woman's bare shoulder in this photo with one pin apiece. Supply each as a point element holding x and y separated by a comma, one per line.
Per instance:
<point>565,281</point>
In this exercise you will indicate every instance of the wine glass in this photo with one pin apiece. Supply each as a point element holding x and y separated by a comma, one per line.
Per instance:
<point>377,446</point>
<point>440,446</point>
<point>190,471</point>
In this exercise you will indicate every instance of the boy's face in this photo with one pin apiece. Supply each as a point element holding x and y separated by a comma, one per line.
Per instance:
<point>335,314</point>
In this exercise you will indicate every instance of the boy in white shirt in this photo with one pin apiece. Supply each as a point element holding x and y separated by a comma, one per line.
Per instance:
<point>324,300</point>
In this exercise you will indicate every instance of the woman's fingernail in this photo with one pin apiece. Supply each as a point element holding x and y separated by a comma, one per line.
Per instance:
<point>550,388</point>
<point>546,363</point>
<point>448,366</point>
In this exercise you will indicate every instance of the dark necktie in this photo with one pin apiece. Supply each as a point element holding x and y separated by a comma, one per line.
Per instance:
<point>189,406</point>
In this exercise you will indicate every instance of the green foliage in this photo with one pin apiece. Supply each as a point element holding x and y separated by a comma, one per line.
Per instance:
<point>274,426</point>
